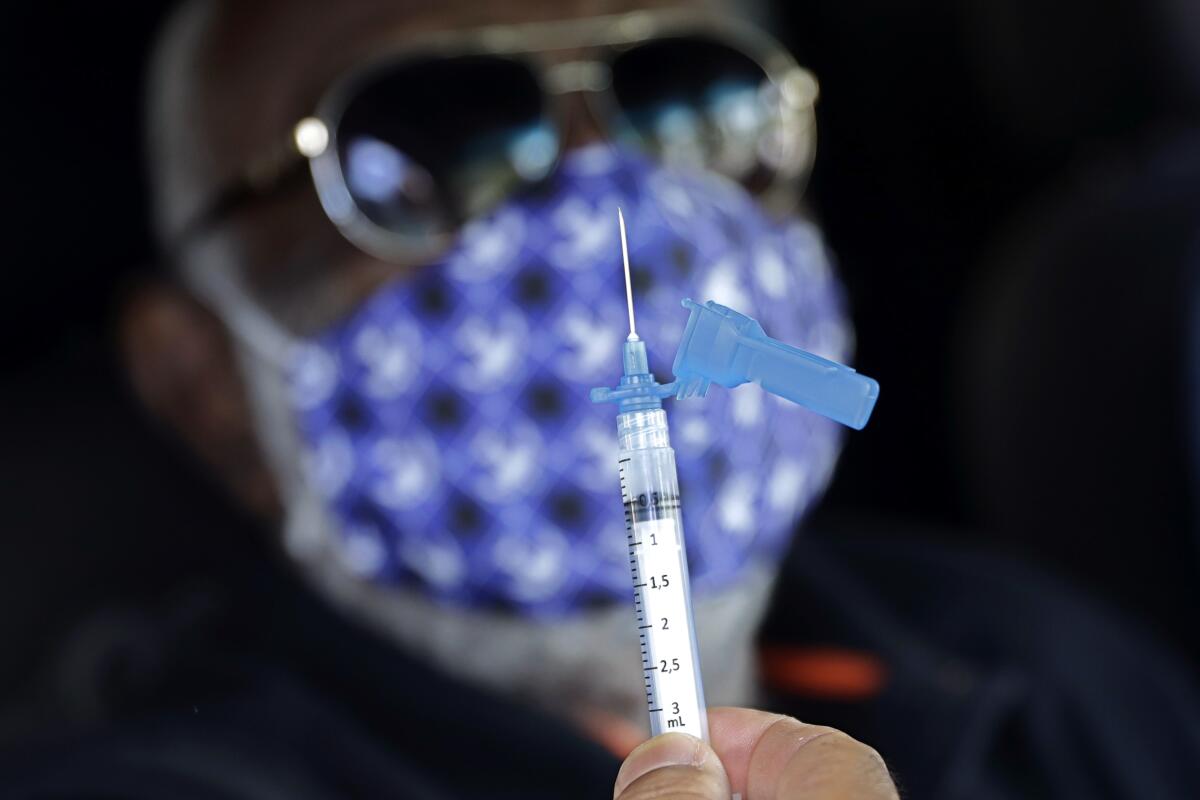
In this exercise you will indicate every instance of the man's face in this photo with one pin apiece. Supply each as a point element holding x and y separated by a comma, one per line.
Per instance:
<point>244,75</point>
<point>236,78</point>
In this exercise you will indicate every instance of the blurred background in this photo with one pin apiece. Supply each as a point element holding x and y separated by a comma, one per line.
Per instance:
<point>1012,191</point>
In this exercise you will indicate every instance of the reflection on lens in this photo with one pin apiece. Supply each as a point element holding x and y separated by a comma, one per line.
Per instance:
<point>679,129</point>
<point>738,108</point>
<point>380,173</point>
<point>741,119</point>
<point>696,102</point>
<point>492,165</point>
<point>389,187</point>
<point>428,143</point>
<point>532,153</point>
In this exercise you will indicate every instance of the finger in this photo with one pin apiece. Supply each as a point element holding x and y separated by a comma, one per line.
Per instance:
<point>774,757</point>
<point>673,765</point>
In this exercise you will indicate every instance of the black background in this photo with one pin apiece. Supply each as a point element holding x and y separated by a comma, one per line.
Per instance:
<point>1007,186</point>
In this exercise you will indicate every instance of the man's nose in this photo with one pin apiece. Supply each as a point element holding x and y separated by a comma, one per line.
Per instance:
<point>580,125</point>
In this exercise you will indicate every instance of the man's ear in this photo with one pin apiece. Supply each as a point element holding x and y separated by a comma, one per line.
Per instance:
<point>181,365</point>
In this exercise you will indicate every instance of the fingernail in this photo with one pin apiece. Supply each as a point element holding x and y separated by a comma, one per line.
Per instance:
<point>667,750</point>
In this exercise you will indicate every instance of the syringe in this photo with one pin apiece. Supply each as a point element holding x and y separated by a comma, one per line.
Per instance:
<point>654,527</point>
<point>721,346</point>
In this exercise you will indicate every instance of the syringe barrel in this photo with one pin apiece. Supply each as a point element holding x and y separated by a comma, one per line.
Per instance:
<point>643,430</point>
<point>658,561</point>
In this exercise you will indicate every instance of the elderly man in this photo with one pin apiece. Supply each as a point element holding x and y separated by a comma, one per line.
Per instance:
<point>392,279</point>
<point>413,330</point>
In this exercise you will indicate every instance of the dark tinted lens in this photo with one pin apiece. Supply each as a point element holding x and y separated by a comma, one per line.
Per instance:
<point>694,101</point>
<point>426,144</point>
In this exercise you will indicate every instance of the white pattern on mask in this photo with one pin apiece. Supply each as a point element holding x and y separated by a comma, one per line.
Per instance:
<point>405,471</point>
<point>314,377</point>
<point>587,233</point>
<point>508,458</point>
<point>492,347</point>
<point>488,248</point>
<point>594,345</point>
<point>390,356</point>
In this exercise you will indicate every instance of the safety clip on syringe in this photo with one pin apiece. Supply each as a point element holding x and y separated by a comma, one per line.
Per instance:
<point>719,346</point>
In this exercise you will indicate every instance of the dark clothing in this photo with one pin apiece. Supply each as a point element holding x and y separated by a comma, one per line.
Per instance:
<point>1002,684</point>
<point>998,684</point>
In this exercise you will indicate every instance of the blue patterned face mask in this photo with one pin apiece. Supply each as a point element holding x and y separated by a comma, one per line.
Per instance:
<point>447,426</point>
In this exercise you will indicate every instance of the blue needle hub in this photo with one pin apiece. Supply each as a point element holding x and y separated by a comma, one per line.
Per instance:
<point>638,390</point>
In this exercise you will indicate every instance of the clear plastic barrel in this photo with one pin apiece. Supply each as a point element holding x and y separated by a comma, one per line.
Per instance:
<point>658,561</point>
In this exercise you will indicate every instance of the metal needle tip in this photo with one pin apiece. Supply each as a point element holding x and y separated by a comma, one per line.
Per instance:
<point>633,337</point>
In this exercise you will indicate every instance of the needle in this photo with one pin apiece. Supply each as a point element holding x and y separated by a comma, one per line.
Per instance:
<point>633,337</point>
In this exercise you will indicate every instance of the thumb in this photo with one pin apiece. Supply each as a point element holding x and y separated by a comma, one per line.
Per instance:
<point>673,765</point>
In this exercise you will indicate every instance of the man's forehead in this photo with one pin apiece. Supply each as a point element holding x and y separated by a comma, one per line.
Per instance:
<point>305,43</point>
<point>277,56</point>
<point>249,71</point>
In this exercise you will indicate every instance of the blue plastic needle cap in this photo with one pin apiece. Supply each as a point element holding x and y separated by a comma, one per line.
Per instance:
<point>724,347</point>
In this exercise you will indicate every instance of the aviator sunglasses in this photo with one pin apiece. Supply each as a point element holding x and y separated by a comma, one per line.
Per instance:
<point>418,140</point>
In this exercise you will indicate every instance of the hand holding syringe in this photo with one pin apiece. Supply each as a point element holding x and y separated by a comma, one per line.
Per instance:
<point>719,346</point>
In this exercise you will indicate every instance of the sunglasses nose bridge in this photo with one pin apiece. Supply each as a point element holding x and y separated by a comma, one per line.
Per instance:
<point>569,77</point>
<point>574,84</point>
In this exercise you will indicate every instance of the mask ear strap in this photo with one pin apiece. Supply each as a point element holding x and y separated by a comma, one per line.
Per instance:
<point>265,338</point>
